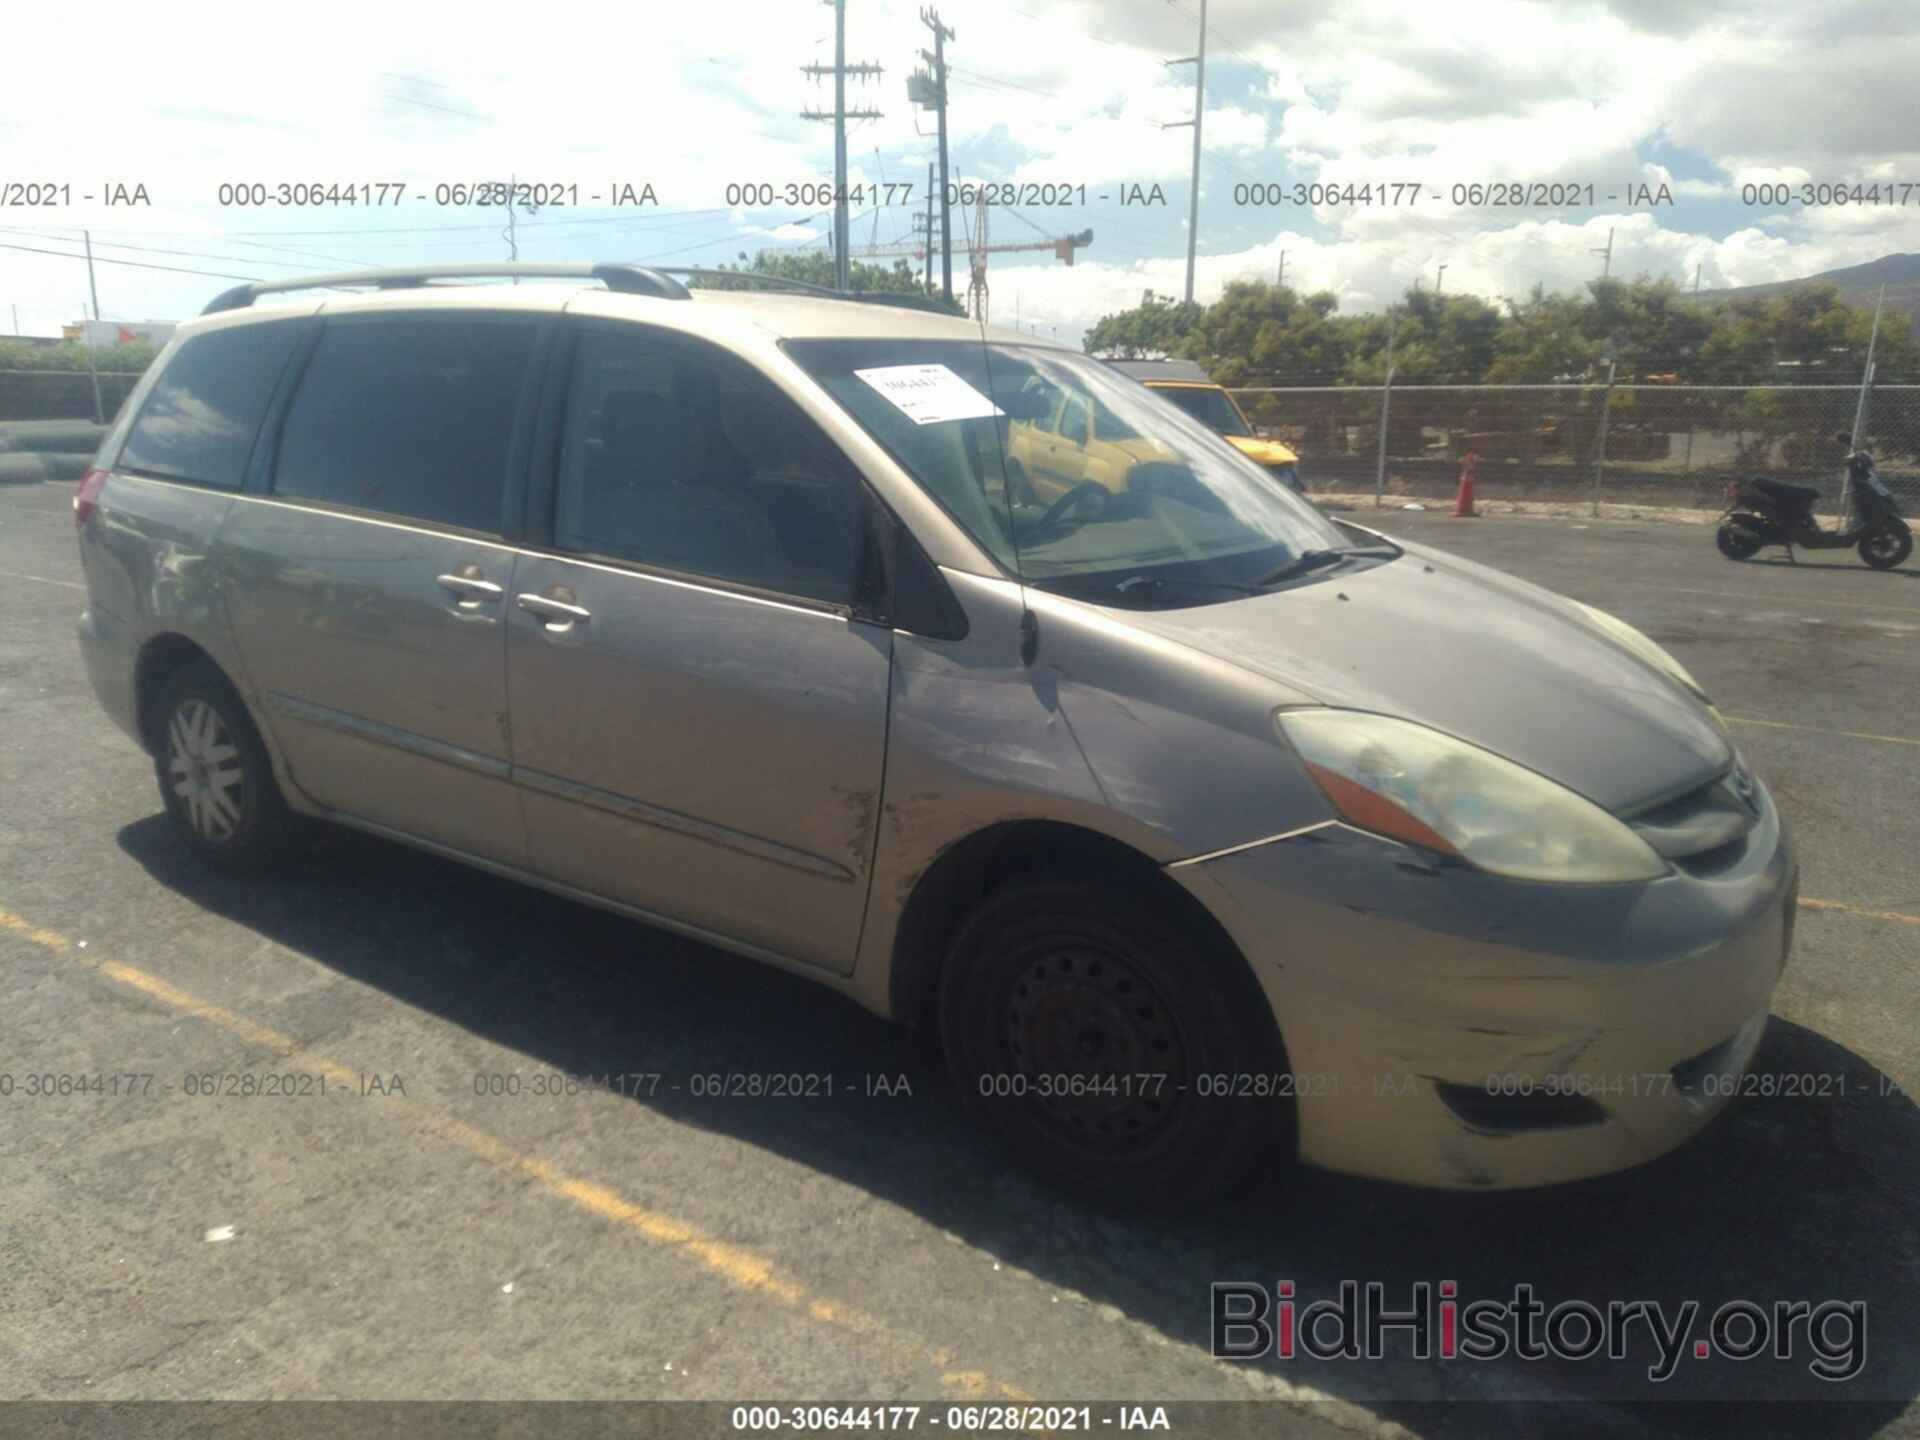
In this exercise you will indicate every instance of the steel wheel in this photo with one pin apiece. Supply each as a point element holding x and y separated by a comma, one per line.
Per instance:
<point>1086,1022</point>
<point>1082,1024</point>
<point>204,762</point>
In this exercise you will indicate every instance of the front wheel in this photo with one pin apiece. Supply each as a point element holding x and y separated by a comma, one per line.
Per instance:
<point>1887,545</point>
<point>1116,1054</point>
<point>1736,541</point>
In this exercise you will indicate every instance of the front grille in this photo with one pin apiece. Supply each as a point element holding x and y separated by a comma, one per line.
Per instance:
<point>1712,818</point>
<point>1498,1114</point>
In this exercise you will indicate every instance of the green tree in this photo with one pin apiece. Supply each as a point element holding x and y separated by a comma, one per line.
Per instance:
<point>814,267</point>
<point>1158,325</point>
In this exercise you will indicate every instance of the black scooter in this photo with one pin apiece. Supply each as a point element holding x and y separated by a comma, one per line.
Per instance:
<point>1766,512</point>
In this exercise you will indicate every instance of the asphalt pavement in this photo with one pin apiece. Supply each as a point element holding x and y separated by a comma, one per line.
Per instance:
<point>414,1214</point>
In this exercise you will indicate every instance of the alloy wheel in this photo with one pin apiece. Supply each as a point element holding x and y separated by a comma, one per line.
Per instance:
<point>203,763</point>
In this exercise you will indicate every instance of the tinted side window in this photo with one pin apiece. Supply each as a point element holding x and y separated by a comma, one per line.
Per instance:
<point>683,457</point>
<point>201,416</point>
<point>1073,422</point>
<point>410,417</point>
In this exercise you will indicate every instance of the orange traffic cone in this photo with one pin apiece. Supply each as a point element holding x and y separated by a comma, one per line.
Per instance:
<point>1463,501</point>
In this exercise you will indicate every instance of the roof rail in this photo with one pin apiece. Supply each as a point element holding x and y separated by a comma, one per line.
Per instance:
<point>626,279</point>
<point>757,278</point>
<point>901,299</point>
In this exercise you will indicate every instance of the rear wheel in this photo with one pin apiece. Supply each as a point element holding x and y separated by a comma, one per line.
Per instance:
<point>1736,541</point>
<point>215,778</point>
<point>1886,546</point>
<point>1102,1043</point>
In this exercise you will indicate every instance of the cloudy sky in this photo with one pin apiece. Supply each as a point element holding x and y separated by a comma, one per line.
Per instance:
<point>1700,96</point>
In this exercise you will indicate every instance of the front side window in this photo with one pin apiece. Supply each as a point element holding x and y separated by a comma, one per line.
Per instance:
<point>679,456</point>
<point>201,416</point>
<point>1142,494</point>
<point>410,416</point>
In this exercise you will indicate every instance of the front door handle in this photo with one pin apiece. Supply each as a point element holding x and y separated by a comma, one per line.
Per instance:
<point>559,615</point>
<point>467,584</point>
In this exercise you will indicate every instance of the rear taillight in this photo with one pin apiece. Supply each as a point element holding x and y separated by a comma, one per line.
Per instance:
<point>86,496</point>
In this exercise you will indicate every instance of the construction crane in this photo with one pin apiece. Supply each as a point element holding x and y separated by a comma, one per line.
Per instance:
<point>978,248</point>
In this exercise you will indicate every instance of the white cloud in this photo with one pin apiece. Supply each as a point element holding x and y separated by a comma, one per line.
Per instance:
<point>1351,91</point>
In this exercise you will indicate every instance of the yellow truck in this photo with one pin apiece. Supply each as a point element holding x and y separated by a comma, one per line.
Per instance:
<point>1186,385</point>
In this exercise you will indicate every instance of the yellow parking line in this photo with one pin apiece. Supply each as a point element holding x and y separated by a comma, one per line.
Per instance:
<point>1807,904</point>
<point>1819,730</point>
<point>738,1265</point>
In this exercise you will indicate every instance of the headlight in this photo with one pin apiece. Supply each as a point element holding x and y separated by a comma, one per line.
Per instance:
<point>1421,787</point>
<point>1640,645</point>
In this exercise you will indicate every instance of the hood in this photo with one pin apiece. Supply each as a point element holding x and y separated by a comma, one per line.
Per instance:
<point>1265,452</point>
<point>1496,661</point>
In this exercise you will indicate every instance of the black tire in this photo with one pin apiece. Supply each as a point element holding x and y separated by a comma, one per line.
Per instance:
<point>232,816</point>
<point>1887,545</point>
<point>1737,542</point>
<point>1063,978</point>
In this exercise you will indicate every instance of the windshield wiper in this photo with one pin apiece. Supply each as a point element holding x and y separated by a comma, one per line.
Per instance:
<point>1319,559</point>
<point>1159,582</point>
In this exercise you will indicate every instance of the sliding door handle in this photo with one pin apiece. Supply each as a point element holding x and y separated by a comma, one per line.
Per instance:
<point>467,584</point>
<point>557,613</point>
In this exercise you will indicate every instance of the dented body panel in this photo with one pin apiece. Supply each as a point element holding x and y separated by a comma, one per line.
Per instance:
<point>1392,976</point>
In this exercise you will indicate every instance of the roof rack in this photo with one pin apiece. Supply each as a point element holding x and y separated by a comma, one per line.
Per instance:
<point>904,300</point>
<point>626,279</point>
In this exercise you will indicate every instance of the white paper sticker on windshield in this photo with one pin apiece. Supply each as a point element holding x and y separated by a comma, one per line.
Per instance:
<point>928,394</point>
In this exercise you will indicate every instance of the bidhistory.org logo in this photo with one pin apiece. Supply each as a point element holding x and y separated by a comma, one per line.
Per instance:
<point>1250,1324</point>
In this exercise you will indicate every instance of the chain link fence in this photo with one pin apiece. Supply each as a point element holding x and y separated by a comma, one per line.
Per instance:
<point>1674,445</point>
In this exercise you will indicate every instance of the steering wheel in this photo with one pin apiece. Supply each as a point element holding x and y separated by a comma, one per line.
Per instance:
<point>1057,511</point>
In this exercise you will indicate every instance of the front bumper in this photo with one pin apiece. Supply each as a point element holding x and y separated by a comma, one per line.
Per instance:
<point>1451,1028</point>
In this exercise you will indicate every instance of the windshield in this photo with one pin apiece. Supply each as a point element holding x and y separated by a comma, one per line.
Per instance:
<point>1210,407</point>
<point>1071,477</point>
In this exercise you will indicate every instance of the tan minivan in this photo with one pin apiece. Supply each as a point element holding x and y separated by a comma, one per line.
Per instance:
<point>1185,812</point>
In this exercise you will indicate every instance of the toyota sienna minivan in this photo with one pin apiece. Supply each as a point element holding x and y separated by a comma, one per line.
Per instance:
<point>1200,825</point>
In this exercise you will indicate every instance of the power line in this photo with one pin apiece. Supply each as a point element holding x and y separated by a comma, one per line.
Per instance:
<point>147,249</point>
<point>1001,84</point>
<point>132,264</point>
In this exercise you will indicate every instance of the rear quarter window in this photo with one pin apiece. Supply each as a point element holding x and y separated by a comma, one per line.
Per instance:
<point>202,413</point>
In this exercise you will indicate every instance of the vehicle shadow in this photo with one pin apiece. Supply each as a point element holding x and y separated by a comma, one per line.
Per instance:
<point>1781,1199</point>
<point>1780,562</point>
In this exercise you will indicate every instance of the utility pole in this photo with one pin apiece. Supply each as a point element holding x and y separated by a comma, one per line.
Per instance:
<point>928,282</point>
<point>1281,279</point>
<point>1440,279</point>
<point>931,89</point>
<point>1606,267</point>
<point>1199,62</point>
<point>92,289</point>
<point>93,292</point>
<point>840,70</point>
<point>511,234</point>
